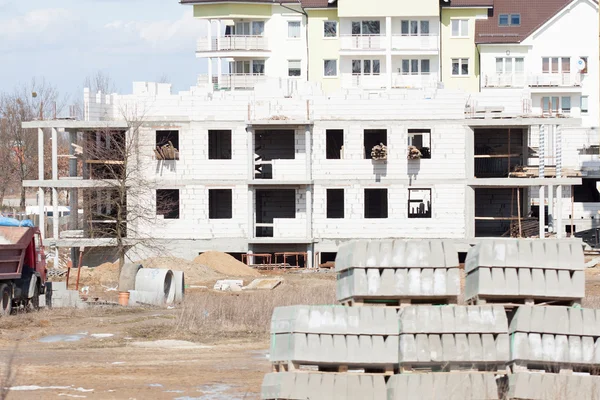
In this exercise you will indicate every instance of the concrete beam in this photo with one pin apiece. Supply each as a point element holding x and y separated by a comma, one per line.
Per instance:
<point>70,183</point>
<point>69,124</point>
<point>521,182</point>
<point>519,122</point>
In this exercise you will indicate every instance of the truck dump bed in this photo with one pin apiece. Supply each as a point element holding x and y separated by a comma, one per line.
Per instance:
<point>16,244</point>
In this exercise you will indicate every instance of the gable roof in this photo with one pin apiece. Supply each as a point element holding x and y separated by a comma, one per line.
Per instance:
<point>534,14</point>
<point>305,3</point>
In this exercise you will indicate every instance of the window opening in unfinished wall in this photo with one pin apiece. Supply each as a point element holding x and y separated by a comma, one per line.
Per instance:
<point>376,203</point>
<point>219,145</point>
<point>335,203</point>
<point>372,138</point>
<point>167,145</point>
<point>334,143</point>
<point>167,203</point>
<point>271,205</point>
<point>586,192</point>
<point>272,145</point>
<point>220,204</point>
<point>420,139</point>
<point>327,260</point>
<point>419,203</point>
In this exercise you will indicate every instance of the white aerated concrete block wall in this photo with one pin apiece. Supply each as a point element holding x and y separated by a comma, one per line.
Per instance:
<point>524,268</point>
<point>552,335</point>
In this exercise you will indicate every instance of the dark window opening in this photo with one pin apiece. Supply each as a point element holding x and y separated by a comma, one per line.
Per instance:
<point>372,138</point>
<point>273,204</point>
<point>167,203</point>
<point>272,145</point>
<point>376,203</point>
<point>335,203</point>
<point>167,145</point>
<point>220,205</point>
<point>421,139</point>
<point>419,203</point>
<point>586,192</point>
<point>219,145</point>
<point>334,143</point>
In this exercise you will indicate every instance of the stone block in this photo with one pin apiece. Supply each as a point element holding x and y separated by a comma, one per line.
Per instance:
<point>538,281</point>
<point>525,282</point>
<point>552,287</point>
<point>427,282</point>
<point>440,281</point>
<point>435,348</point>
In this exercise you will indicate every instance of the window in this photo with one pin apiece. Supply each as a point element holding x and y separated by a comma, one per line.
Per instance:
<point>460,28</point>
<point>366,67</point>
<point>258,67</point>
<point>421,139</point>
<point>425,67</point>
<point>550,105</point>
<point>258,28</point>
<point>167,203</point>
<point>424,28</point>
<point>414,67</point>
<point>293,29</point>
<point>330,29</point>
<point>335,203</point>
<point>460,66</point>
<point>219,145</point>
<point>372,138</point>
<point>503,20</point>
<point>419,203</point>
<point>414,28</point>
<point>330,67</point>
<point>565,104</point>
<point>334,143</point>
<point>586,192</point>
<point>366,28</point>
<point>509,20</point>
<point>515,19</point>
<point>376,203</point>
<point>509,65</point>
<point>220,204</point>
<point>294,68</point>
<point>555,65</point>
<point>584,104</point>
<point>167,145</point>
<point>585,65</point>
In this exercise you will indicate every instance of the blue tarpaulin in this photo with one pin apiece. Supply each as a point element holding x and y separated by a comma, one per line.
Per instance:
<point>5,221</point>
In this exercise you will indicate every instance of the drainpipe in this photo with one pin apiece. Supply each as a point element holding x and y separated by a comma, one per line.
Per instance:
<point>303,12</point>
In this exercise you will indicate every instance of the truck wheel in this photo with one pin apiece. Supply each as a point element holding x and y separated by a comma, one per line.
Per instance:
<point>5,299</point>
<point>34,302</point>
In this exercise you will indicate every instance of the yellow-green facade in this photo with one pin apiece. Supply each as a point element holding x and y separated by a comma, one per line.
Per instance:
<point>387,8</point>
<point>232,10</point>
<point>322,48</point>
<point>460,47</point>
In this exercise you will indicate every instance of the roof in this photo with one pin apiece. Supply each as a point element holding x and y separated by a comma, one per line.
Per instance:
<point>470,3</point>
<point>534,14</point>
<point>305,3</point>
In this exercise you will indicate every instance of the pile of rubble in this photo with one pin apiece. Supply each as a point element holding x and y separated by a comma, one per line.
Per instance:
<point>418,344</point>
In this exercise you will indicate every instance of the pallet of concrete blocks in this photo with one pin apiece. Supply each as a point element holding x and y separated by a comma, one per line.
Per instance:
<point>396,272</point>
<point>552,338</point>
<point>443,386</point>
<point>525,271</point>
<point>322,386</point>
<point>334,338</point>
<point>446,338</point>
<point>547,386</point>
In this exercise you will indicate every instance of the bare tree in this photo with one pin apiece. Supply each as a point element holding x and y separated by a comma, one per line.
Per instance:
<point>98,82</point>
<point>164,78</point>
<point>36,100</point>
<point>8,167</point>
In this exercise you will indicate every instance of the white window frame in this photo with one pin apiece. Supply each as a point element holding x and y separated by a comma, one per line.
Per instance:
<point>430,199</point>
<point>513,65</point>
<point>460,30</point>
<point>299,68</point>
<point>362,22</point>
<point>336,29</point>
<point>585,110</point>
<point>289,23</point>
<point>419,27</point>
<point>560,65</point>
<point>411,61</point>
<point>460,64</point>
<point>363,63</point>
<point>336,68</point>
<point>562,103</point>
<point>425,133</point>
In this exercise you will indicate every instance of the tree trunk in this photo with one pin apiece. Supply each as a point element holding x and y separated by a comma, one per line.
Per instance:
<point>22,196</point>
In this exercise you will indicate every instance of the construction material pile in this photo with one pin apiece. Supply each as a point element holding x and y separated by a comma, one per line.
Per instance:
<point>166,152</point>
<point>225,264</point>
<point>148,286</point>
<point>379,152</point>
<point>414,153</point>
<point>418,344</point>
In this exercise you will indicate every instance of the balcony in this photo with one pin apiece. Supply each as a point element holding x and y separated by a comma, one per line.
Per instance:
<point>422,44</point>
<point>414,81</point>
<point>364,81</point>
<point>362,42</point>
<point>233,43</point>
<point>235,81</point>
<point>542,81</point>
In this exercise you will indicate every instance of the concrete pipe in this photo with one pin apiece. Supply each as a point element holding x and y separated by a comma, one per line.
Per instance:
<point>127,277</point>
<point>155,280</point>
<point>141,298</point>
<point>179,288</point>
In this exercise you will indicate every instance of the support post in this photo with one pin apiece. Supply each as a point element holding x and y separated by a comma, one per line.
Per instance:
<point>542,196</point>
<point>54,154</point>
<point>519,212</point>
<point>309,256</point>
<point>209,72</point>
<point>309,212</point>
<point>73,197</point>
<point>219,72</point>
<point>388,52</point>
<point>550,208</point>
<point>40,154</point>
<point>542,208</point>
<point>42,219</point>
<point>558,227</point>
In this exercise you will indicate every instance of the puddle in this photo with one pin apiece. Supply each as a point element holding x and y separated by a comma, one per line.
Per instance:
<point>170,344</point>
<point>61,338</point>
<point>35,387</point>
<point>214,392</point>
<point>155,385</point>
<point>102,335</point>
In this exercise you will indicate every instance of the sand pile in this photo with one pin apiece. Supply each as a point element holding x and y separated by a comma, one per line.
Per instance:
<point>225,264</point>
<point>106,274</point>
<point>194,273</point>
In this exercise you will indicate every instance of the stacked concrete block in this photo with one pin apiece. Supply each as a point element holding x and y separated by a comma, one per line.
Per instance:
<point>443,386</point>
<point>397,269</point>
<point>364,337</point>
<point>555,336</point>
<point>525,269</point>
<point>57,296</point>
<point>546,386</point>
<point>323,386</point>
<point>475,336</point>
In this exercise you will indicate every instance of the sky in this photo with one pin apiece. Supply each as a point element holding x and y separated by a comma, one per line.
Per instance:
<point>64,41</point>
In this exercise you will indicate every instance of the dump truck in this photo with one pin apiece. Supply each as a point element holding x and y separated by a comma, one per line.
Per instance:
<point>22,265</point>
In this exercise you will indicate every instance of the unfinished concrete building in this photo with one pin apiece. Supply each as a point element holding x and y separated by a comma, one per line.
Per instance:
<point>289,174</point>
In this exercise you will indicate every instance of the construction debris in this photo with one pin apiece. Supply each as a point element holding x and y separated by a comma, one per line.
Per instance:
<point>264,283</point>
<point>166,152</point>
<point>229,284</point>
<point>379,152</point>
<point>414,153</point>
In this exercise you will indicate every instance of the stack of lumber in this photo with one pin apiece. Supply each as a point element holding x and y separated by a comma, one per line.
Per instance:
<point>166,152</point>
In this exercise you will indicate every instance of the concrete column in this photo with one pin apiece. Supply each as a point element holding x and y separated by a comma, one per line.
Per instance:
<point>308,147</point>
<point>55,218</point>
<point>73,197</point>
<point>40,154</point>
<point>558,226</point>
<point>251,158</point>
<point>209,72</point>
<point>470,212</point>
<point>54,154</point>
<point>388,52</point>
<point>251,213</point>
<point>42,222</point>
<point>309,206</point>
<point>218,34</point>
<point>550,208</point>
<point>209,34</point>
<point>219,71</point>
<point>309,256</point>
<point>542,200</point>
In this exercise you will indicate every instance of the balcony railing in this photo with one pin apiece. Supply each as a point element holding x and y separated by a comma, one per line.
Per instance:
<point>404,42</point>
<point>414,81</point>
<point>233,81</point>
<point>363,81</point>
<point>380,81</point>
<point>362,42</point>
<point>533,80</point>
<point>235,42</point>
